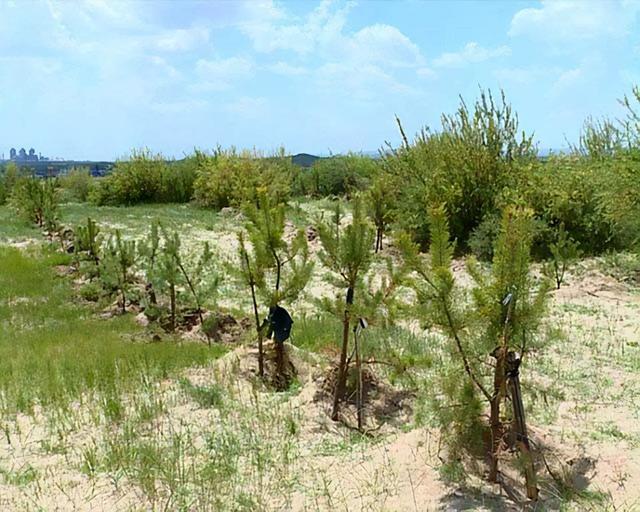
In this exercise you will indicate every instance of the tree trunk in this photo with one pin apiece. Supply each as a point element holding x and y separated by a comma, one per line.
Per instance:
<point>259,331</point>
<point>520,425</point>
<point>280,377</point>
<point>173,307</point>
<point>359,384</point>
<point>342,368</point>
<point>496,425</point>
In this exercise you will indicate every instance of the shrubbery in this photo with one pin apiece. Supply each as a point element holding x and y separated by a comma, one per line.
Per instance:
<point>77,184</point>
<point>480,163</point>
<point>336,176</point>
<point>144,177</point>
<point>466,166</point>
<point>231,178</point>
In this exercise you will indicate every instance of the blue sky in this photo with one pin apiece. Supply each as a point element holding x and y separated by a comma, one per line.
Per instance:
<point>94,78</point>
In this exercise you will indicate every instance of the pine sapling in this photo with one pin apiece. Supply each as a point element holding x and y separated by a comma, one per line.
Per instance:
<point>380,200</point>
<point>501,323</point>
<point>564,253</point>
<point>117,265</point>
<point>347,252</point>
<point>278,269</point>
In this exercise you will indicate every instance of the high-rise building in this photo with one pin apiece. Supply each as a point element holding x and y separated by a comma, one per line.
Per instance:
<point>12,154</point>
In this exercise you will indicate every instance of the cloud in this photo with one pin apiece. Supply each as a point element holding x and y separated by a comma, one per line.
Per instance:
<point>271,28</point>
<point>284,68</point>
<point>220,74</point>
<point>563,20</point>
<point>472,53</point>
<point>322,33</point>
<point>178,40</point>
<point>363,82</point>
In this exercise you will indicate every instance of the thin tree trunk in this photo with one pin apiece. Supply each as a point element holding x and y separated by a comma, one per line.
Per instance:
<point>173,307</point>
<point>522,437</point>
<point>258,330</point>
<point>496,426</point>
<point>342,368</point>
<point>281,380</point>
<point>359,388</point>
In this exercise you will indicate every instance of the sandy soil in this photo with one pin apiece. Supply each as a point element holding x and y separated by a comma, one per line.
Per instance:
<point>594,437</point>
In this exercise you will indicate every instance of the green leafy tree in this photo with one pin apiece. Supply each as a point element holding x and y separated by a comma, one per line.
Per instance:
<point>347,252</point>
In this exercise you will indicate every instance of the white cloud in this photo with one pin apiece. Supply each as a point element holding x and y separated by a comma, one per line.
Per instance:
<point>472,53</point>
<point>284,68</point>
<point>181,39</point>
<point>568,79</point>
<point>220,74</point>
<point>322,33</point>
<point>563,20</point>
<point>384,44</point>
<point>363,82</point>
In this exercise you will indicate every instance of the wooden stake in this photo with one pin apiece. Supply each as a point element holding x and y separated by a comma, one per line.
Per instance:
<point>522,439</point>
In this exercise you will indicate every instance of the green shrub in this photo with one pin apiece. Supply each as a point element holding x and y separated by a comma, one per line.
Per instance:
<point>36,201</point>
<point>144,177</point>
<point>466,166</point>
<point>230,178</point>
<point>577,192</point>
<point>482,239</point>
<point>337,176</point>
<point>77,184</point>
<point>8,178</point>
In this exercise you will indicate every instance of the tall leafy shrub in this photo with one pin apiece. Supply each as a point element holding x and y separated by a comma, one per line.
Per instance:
<point>466,166</point>
<point>146,177</point>
<point>231,178</point>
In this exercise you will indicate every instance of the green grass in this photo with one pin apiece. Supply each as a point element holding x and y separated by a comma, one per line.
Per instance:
<point>13,227</point>
<point>54,352</point>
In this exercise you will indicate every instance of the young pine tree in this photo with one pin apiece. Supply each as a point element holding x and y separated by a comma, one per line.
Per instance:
<point>277,269</point>
<point>564,252</point>
<point>119,258</point>
<point>380,200</point>
<point>488,339</point>
<point>87,243</point>
<point>347,252</point>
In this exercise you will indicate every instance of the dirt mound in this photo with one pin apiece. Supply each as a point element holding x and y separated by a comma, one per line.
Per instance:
<point>382,403</point>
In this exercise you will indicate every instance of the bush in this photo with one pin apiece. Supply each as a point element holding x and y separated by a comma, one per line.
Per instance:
<point>230,178</point>
<point>466,166</point>
<point>144,177</point>
<point>77,184</point>
<point>36,201</point>
<point>337,176</point>
<point>8,179</point>
<point>582,194</point>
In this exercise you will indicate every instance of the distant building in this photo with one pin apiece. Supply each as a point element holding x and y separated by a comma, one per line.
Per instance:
<point>23,156</point>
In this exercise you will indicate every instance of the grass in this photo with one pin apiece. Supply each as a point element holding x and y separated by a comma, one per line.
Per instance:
<point>13,228</point>
<point>54,352</point>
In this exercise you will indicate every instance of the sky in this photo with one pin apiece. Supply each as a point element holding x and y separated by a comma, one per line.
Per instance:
<point>92,79</point>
